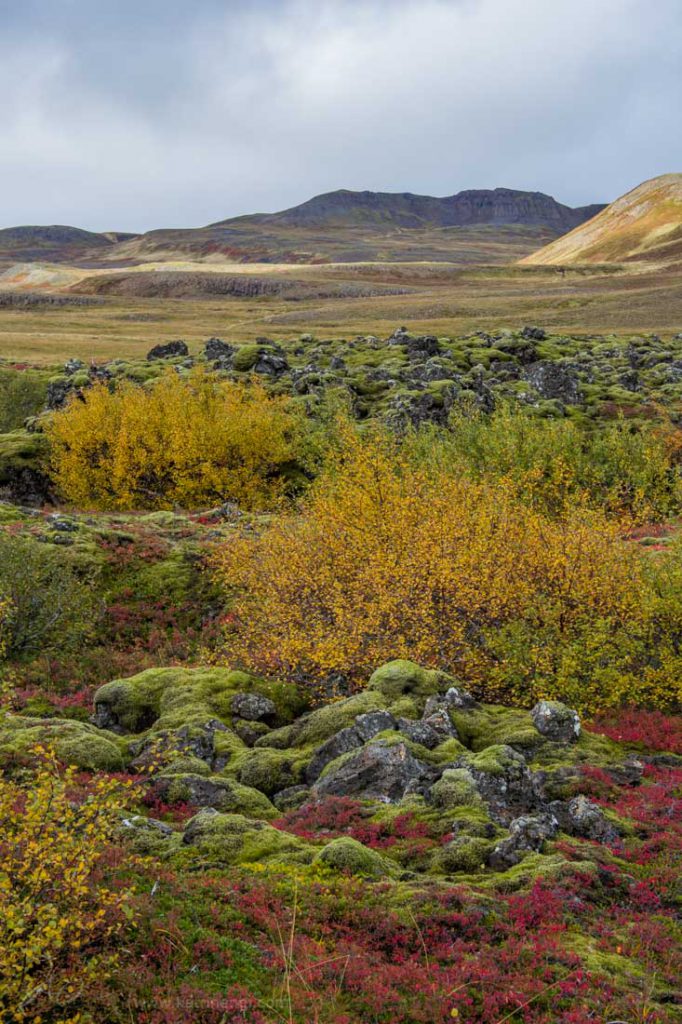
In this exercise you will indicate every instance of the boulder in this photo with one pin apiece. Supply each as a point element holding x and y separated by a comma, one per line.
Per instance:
<point>371,723</point>
<point>169,350</point>
<point>556,721</point>
<point>379,771</point>
<point>404,677</point>
<point>527,834</point>
<point>348,855</point>
<point>216,348</point>
<point>343,742</point>
<point>254,707</point>
<point>419,732</point>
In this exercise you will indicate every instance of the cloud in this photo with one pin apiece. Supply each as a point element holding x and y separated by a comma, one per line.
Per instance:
<point>147,114</point>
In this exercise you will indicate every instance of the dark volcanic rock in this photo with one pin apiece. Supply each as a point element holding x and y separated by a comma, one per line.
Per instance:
<point>170,350</point>
<point>216,348</point>
<point>344,741</point>
<point>377,772</point>
<point>554,380</point>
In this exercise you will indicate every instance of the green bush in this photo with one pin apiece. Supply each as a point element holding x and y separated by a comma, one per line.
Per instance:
<point>52,606</point>
<point>554,463</point>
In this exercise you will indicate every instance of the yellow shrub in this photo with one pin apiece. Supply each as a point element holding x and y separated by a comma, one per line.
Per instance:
<point>394,560</point>
<point>58,922</point>
<point>188,442</point>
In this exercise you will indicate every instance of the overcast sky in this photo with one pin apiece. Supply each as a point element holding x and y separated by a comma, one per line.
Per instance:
<point>134,114</point>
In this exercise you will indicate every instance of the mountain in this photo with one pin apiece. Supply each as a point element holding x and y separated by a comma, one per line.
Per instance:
<point>477,226</point>
<point>344,208</point>
<point>645,225</point>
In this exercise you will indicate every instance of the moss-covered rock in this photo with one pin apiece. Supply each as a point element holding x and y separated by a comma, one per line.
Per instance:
<point>346,854</point>
<point>456,787</point>
<point>398,678</point>
<point>268,770</point>
<point>23,467</point>
<point>219,793</point>
<point>175,697</point>
<point>235,839</point>
<point>463,853</point>
<point>75,743</point>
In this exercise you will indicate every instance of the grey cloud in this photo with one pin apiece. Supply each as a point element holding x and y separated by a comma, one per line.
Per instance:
<point>138,115</point>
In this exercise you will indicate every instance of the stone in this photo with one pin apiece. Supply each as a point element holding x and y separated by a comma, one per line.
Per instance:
<point>341,743</point>
<point>169,350</point>
<point>419,732</point>
<point>290,798</point>
<point>72,366</point>
<point>556,721</point>
<point>216,348</point>
<point>586,819</point>
<point>456,697</point>
<point>378,771</point>
<point>254,707</point>
<point>533,333</point>
<point>400,677</point>
<point>527,834</point>
<point>372,722</point>
<point>553,380</point>
<point>439,720</point>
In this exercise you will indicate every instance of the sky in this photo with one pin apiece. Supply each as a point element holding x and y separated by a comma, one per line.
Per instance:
<point>136,114</point>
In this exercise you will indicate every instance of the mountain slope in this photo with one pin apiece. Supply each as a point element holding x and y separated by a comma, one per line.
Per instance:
<point>643,225</point>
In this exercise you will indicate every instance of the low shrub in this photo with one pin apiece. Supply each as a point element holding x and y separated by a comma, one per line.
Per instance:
<point>188,441</point>
<point>396,559</point>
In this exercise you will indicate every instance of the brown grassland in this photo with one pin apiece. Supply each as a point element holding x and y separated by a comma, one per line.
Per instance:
<point>433,298</point>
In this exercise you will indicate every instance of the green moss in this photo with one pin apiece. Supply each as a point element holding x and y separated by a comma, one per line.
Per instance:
<point>267,770</point>
<point>318,726</point>
<point>246,357</point>
<point>486,726</point>
<point>75,743</point>
<point>397,678</point>
<point>235,839</point>
<point>186,765</point>
<point>346,854</point>
<point>405,707</point>
<point>20,451</point>
<point>463,853</point>
<point>455,788</point>
<point>496,759</point>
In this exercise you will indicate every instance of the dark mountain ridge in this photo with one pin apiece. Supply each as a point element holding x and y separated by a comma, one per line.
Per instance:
<point>407,210</point>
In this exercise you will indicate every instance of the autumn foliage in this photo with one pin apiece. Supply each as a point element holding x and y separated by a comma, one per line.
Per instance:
<point>395,558</point>
<point>187,441</point>
<point>58,919</point>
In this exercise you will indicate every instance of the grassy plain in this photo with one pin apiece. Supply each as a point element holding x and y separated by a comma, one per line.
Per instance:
<point>432,298</point>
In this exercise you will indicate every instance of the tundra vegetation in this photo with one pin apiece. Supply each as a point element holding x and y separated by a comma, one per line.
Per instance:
<point>341,683</point>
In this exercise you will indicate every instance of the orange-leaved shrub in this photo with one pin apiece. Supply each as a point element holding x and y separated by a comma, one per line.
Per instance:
<point>187,441</point>
<point>59,921</point>
<point>393,558</point>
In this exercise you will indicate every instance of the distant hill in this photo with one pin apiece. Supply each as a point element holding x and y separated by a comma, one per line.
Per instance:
<point>404,209</point>
<point>643,225</point>
<point>477,226</point>
<point>55,242</point>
